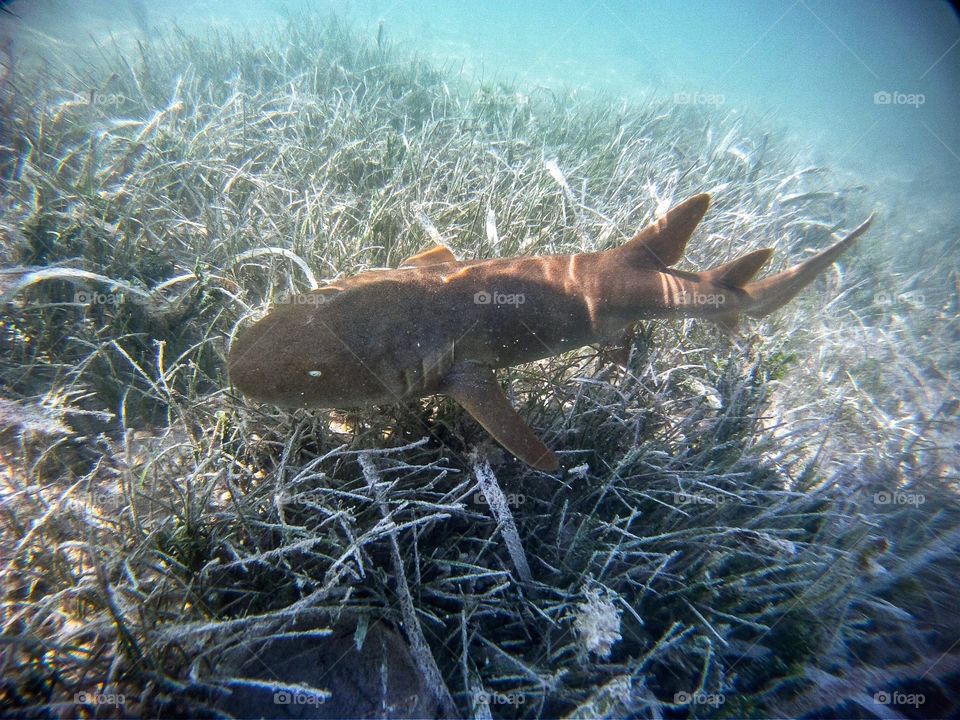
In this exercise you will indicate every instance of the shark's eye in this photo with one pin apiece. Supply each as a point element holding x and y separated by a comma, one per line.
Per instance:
<point>314,373</point>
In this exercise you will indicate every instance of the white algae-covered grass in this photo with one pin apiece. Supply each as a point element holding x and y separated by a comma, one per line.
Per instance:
<point>752,527</point>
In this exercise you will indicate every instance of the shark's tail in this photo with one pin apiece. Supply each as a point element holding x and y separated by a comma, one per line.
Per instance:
<point>761,297</point>
<point>661,244</point>
<point>776,291</point>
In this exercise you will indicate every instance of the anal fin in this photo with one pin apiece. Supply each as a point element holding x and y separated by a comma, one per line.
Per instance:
<point>730,324</point>
<point>618,352</point>
<point>476,388</point>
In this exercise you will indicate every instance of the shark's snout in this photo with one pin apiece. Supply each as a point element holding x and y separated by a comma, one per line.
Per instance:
<point>295,358</point>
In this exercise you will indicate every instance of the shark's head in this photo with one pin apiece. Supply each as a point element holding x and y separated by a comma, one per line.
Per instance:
<point>294,358</point>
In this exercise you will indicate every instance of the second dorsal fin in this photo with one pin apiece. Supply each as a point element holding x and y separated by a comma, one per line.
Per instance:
<point>739,272</point>
<point>431,256</point>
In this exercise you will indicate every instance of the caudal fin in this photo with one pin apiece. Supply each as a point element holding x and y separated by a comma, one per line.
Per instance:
<point>776,291</point>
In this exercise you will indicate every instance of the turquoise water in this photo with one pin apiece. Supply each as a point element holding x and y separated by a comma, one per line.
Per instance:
<point>867,85</point>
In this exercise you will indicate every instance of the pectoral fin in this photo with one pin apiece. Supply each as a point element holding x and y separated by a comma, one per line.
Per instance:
<point>431,256</point>
<point>476,388</point>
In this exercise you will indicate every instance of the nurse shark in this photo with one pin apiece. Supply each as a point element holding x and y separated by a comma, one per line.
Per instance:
<point>438,325</point>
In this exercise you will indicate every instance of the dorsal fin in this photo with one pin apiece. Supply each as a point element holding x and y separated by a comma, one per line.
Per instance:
<point>431,256</point>
<point>662,242</point>
<point>739,272</point>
